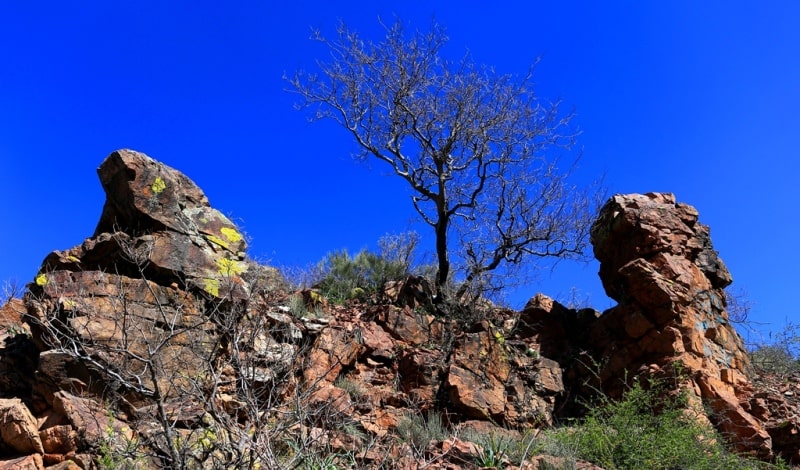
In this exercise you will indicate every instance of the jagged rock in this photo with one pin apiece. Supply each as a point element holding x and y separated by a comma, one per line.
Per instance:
<point>61,439</point>
<point>497,373</point>
<point>418,370</point>
<point>164,268</point>
<point>552,329</point>
<point>11,319</point>
<point>30,462</point>
<point>774,400</point>
<point>413,291</point>
<point>477,375</point>
<point>116,319</point>
<point>58,371</point>
<point>408,325</point>
<point>657,261</point>
<point>156,219</point>
<point>18,355</point>
<point>333,350</point>
<point>159,254</point>
<point>95,423</point>
<point>64,465</point>
<point>19,430</point>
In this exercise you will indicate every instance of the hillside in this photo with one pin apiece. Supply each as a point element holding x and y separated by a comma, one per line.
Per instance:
<point>158,343</point>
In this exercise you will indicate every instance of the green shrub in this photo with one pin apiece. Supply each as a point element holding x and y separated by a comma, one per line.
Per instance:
<point>299,309</point>
<point>349,277</point>
<point>779,355</point>
<point>494,448</point>
<point>418,432</point>
<point>647,429</point>
<point>774,359</point>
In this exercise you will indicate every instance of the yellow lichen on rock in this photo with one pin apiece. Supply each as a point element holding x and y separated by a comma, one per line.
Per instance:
<point>41,280</point>
<point>212,287</point>
<point>231,234</point>
<point>230,267</point>
<point>316,298</point>
<point>218,241</point>
<point>158,185</point>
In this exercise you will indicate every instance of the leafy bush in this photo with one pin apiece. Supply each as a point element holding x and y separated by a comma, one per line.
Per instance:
<point>350,277</point>
<point>780,354</point>
<point>647,429</point>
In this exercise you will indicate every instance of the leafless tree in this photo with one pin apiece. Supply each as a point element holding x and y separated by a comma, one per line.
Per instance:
<point>477,148</point>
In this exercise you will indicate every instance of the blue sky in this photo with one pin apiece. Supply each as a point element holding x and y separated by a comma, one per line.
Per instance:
<point>696,98</point>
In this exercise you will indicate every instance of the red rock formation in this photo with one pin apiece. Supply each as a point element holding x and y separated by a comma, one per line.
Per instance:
<point>159,317</point>
<point>657,261</point>
<point>157,219</point>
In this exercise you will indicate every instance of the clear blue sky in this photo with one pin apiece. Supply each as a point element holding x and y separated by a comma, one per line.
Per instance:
<point>696,98</point>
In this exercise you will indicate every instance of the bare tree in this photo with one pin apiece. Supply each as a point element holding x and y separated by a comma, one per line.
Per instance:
<point>476,148</point>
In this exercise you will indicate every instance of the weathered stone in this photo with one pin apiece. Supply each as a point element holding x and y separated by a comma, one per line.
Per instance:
<point>30,462</point>
<point>94,422</point>
<point>333,350</point>
<point>407,325</point>
<point>477,375</point>
<point>63,465</point>
<point>18,428</point>
<point>18,354</point>
<point>773,402</point>
<point>378,343</point>
<point>553,330</point>
<point>156,220</point>
<point>639,226</point>
<point>119,319</point>
<point>327,400</point>
<point>413,291</point>
<point>164,268</point>
<point>11,319</point>
<point>657,261</point>
<point>59,439</point>
<point>146,195</point>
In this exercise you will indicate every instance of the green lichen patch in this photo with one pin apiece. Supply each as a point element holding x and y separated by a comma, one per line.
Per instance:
<point>41,280</point>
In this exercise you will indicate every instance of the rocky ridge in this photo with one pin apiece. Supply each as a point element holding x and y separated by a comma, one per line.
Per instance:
<point>158,340</point>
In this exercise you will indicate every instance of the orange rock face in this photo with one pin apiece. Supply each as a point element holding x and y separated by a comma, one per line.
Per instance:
<point>657,261</point>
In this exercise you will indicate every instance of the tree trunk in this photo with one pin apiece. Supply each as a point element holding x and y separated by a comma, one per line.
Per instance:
<point>443,271</point>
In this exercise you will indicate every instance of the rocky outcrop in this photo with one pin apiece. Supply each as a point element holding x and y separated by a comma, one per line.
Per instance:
<point>657,261</point>
<point>129,314</point>
<point>157,332</point>
<point>19,431</point>
<point>157,220</point>
<point>774,399</point>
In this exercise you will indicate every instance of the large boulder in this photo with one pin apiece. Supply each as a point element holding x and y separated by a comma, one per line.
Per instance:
<point>139,312</point>
<point>157,223</point>
<point>140,293</point>
<point>18,428</point>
